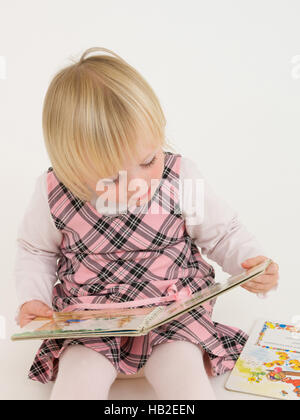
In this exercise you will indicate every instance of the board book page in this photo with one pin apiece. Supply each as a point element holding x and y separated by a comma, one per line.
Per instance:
<point>269,364</point>
<point>127,321</point>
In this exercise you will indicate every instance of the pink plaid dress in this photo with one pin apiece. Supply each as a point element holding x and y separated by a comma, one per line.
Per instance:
<point>138,258</point>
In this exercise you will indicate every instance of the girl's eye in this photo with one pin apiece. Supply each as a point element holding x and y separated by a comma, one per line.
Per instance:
<point>146,165</point>
<point>109,181</point>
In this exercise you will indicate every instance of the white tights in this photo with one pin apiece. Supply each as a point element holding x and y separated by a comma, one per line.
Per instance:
<point>174,369</point>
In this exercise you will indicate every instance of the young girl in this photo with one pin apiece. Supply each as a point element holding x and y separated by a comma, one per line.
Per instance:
<point>108,227</point>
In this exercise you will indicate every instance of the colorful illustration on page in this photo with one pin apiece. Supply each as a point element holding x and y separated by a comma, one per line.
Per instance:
<point>270,366</point>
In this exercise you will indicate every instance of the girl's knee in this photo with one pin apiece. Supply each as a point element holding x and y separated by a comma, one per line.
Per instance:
<point>80,357</point>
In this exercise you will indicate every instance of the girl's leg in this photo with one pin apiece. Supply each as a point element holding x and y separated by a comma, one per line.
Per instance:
<point>176,372</point>
<point>83,374</point>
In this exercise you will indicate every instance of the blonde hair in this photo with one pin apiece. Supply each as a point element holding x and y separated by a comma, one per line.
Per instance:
<point>92,112</point>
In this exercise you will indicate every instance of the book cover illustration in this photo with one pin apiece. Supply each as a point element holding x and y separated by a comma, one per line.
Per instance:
<point>269,364</point>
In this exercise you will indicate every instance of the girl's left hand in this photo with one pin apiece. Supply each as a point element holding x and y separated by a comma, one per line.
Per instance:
<point>264,282</point>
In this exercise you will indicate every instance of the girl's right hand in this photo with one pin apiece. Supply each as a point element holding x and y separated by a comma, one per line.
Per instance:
<point>31,310</point>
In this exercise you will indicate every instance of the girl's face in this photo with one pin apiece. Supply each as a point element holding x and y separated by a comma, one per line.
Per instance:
<point>136,182</point>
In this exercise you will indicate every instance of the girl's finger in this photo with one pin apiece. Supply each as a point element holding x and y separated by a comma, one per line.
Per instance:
<point>24,321</point>
<point>260,287</point>
<point>40,309</point>
<point>255,289</point>
<point>272,268</point>
<point>251,262</point>
<point>249,289</point>
<point>265,279</point>
<point>270,282</point>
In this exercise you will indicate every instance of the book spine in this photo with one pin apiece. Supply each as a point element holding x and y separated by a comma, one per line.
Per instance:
<point>150,317</point>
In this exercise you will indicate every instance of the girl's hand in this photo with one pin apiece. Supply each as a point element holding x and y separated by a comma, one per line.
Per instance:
<point>31,310</point>
<point>264,282</point>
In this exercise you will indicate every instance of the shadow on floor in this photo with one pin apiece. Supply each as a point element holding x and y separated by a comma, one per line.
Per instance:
<point>132,389</point>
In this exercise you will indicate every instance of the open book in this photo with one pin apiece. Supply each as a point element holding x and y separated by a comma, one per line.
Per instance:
<point>128,321</point>
<point>269,364</point>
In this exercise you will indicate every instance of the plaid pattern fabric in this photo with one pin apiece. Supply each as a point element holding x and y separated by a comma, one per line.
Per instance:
<point>130,257</point>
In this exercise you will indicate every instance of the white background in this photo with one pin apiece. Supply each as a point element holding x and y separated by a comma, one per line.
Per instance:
<point>227,75</point>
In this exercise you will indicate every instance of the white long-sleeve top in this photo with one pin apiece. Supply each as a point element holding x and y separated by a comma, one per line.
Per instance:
<point>216,230</point>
